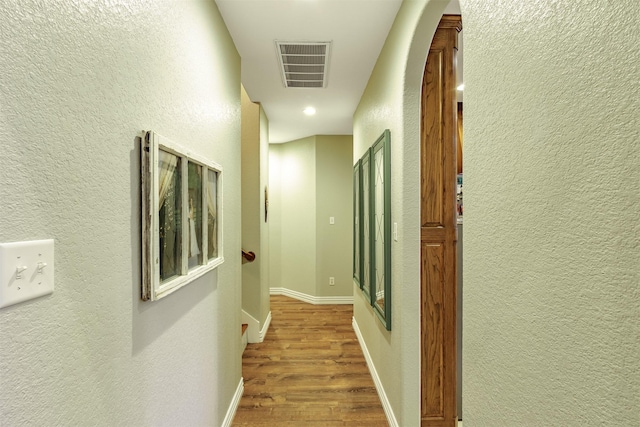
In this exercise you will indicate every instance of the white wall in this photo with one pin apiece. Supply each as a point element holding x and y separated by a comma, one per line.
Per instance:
<point>552,195</point>
<point>79,81</point>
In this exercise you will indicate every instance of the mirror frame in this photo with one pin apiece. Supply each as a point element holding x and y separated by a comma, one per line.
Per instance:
<point>365,267</point>
<point>365,234</point>
<point>382,146</point>
<point>357,224</point>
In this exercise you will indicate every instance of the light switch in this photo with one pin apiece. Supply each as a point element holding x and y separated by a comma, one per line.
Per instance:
<point>395,231</point>
<point>26,271</point>
<point>332,220</point>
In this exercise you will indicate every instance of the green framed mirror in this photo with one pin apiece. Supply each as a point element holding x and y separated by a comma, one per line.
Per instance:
<point>372,226</point>
<point>357,223</point>
<point>366,222</point>
<point>381,227</point>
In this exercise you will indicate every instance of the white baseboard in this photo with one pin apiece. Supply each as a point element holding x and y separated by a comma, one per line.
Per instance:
<point>386,405</point>
<point>253,327</point>
<point>265,327</point>
<point>254,333</point>
<point>310,298</point>
<point>233,407</point>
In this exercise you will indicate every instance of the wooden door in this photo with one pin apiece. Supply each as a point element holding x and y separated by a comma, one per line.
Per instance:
<point>438,234</point>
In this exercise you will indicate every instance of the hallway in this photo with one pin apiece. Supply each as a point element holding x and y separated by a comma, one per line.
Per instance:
<point>309,371</point>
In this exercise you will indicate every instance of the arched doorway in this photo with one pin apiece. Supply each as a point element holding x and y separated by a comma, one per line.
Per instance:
<point>438,233</point>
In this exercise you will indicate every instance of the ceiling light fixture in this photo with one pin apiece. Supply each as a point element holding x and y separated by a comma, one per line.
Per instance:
<point>309,111</point>
<point>461,87</point>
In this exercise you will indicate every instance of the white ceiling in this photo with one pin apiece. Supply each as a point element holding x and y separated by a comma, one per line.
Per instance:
<point>357,30</point>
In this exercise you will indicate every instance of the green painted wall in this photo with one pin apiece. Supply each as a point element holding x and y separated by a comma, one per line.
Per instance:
<point>551,230</point>
<point>79,81</point>
<point>552,196</point>
<point>265,306</point>
<point>334,192</point>
<point>391,101</point>
<point>255,275</point>
<point>310,181</point>
<point>274,217</point>
<point>293,182</point>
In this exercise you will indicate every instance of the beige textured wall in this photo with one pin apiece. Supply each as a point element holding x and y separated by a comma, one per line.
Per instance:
<point>391,101</point>
<point>274,218</point>
<point>79,81</point>
<point>251,212</point>
<point>552,195</point>
<point>311,180</point>
<point>293,183</point>
<point>255,232</point>
<point>265,252</point>
<point>334,198</point>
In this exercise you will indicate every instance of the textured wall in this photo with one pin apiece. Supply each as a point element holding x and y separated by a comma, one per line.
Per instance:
<point>264,225</point>
<point>310,180</point>
<point>275,216</point>
<point>552,195</point>
<point>391,101</point>
<point>255,159</point>
<point>79,81</point>
<point>334,198</point>
<point>251,209</point>
<point>293,183</point>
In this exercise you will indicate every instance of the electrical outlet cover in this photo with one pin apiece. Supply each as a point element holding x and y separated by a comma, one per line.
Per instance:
<point>26,271</point>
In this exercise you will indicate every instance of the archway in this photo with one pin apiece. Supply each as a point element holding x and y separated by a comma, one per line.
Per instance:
<point>438,388</point>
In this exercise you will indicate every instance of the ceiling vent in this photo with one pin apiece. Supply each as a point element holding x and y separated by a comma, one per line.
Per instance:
<point>304,64</point>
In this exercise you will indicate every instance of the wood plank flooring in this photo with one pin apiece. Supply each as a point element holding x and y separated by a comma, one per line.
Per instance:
<point>308,372</point>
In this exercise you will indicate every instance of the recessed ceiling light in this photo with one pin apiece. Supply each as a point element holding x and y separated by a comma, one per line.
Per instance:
<point>461,87</point>
<point>309,111</point>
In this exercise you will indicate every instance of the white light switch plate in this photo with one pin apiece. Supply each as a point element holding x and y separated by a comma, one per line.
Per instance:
<point>26,271</point>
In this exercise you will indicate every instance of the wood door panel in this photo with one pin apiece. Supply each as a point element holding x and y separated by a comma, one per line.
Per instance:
<point>432,278</point>
<point>438,233</point>
<point>433,234</point>
<point>431,160</point>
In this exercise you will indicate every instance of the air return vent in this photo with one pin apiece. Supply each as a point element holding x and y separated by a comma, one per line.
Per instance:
<point>304,65</point>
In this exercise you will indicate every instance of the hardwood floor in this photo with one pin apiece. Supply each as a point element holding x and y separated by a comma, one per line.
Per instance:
<point>309,371</point>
